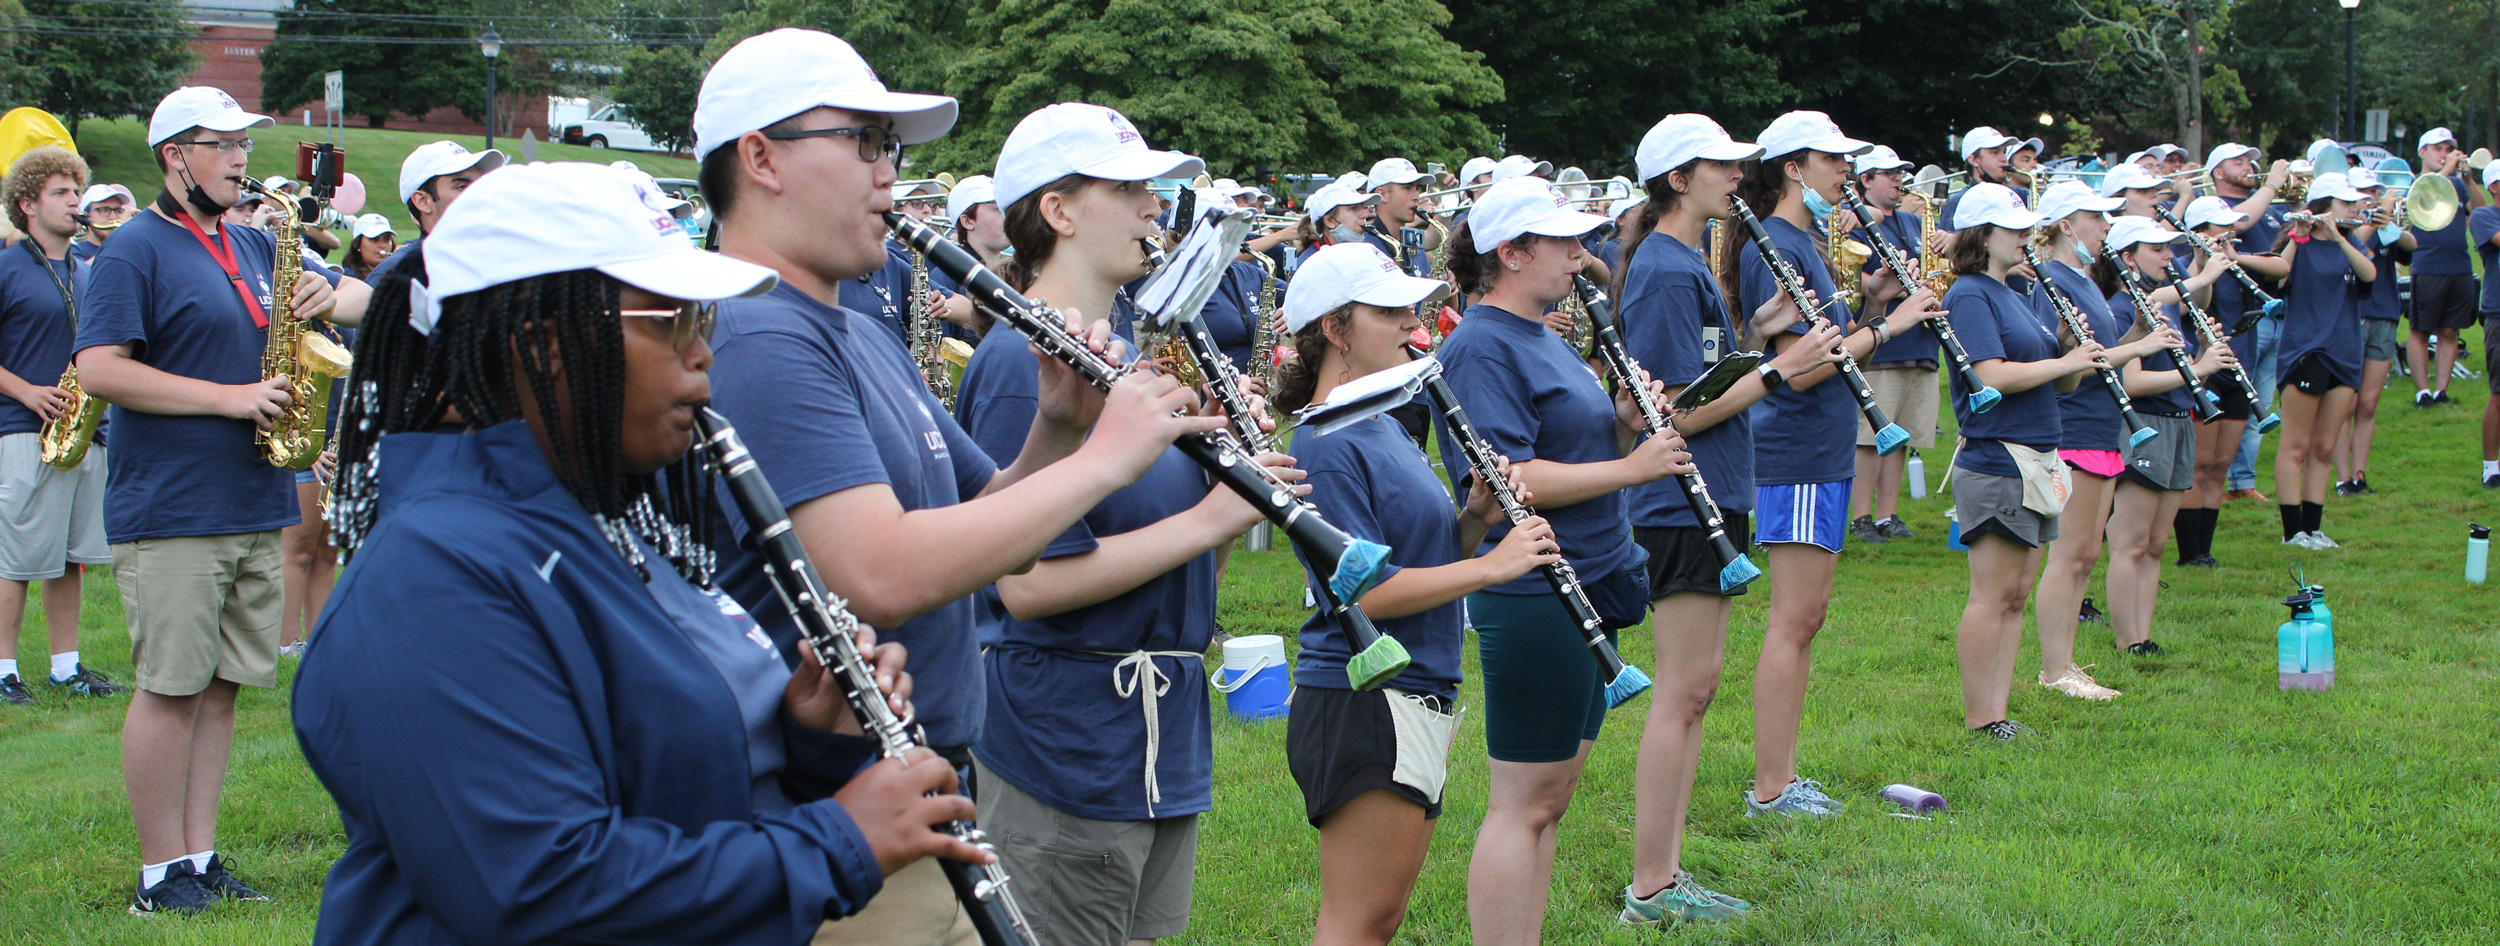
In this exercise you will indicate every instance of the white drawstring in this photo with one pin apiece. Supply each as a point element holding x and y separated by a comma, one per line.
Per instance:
<point>1126,679</point>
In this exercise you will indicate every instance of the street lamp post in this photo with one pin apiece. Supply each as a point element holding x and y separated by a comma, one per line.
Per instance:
<point>2352,101</point>
<point>492,45</point>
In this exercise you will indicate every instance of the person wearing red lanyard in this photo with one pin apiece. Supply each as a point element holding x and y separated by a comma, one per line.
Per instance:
<point>172,323</point>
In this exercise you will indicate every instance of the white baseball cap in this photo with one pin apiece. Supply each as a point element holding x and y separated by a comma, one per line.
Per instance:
<point>2491,174</point>
<point>904,191</point>
<point>2435,136</point>
<point>2127,176</point>
<point>2210,211</point>
<point>1474,167</point>
<point>1524,205</point>
<point>977,189</point>
<point>772,76</point>
<point>2129,231</point>
<point>1334,195</point>
<point>2226,151</point>
<point>1685,137</point>
<point>2066,198</point>
<point>544,218</point>
<point>1993,204</point>
<point>2362,179</point>
<point>435,159</point>
<point>1622,206</point>
<point>1344,273</point>
<point>1352,180</point>
<point>1982,138</point>
<point>99,193</point>
<point>2034,145</point>
<point>666,200</point>
<point>371,225</point>
<point>1878,158</point>
<point>1801,130</point>
<point>199,106</point>
<point>2333,185</point>
<point>1520,165</point>
<point>2164,150</point>
<point>1075,138</point>
<point>1392,171</point>
<point>2137,158</point>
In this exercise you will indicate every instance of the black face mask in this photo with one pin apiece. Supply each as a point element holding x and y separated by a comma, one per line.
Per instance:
<point>193,195</point>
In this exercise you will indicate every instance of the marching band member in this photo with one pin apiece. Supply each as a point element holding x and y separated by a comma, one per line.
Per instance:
<point>2239,183</point>
<point>1372,764</point>
<point>1675,321</point>
<point>1341,214</point>
<point>1096,757</point>
<point>2443,278</point>
<point>1399,187</point>
<point>1535,401</point>
<point>2485,227</point>
<point>105,208</point>
<point>2320,360</point>
<point>2217,443</point>
<point>1901,371</point>
<point>2379,311</point>
<point>2008,488</point>
<point>372,243</point>
<point>431,178</point>
<point>798,140</point>
<point>2137,190</point>
<point>1984,156</point>
<point>2022,167</point>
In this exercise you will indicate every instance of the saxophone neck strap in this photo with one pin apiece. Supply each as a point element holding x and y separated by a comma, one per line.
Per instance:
<point>68,299</point>
<point>222,250</point>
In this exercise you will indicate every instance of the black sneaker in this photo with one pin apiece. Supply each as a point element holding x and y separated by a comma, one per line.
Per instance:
<point>2347,489</point>
<point>13,691</point>
<point>2492,481</point>
<point>2361,486</point>
<point>221,882</point>
<point>1863,529</point>
<point>180,894</point>
<point>2442,397</point>
<point>2144,649</point>
<point>90,683</point>
<point>1893,528</point>
<point>2201,561</point>
<point>2090,613</point>
<point>2422,399</point>
<point>2005,730</point>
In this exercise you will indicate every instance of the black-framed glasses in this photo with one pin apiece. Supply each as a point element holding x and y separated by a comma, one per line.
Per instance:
<point>875,141</point>
<point>223,145</point>
<point>687,323</point>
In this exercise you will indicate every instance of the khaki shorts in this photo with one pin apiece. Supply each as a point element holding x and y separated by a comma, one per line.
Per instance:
<point>1910,397</point>
<point>48,517</point>
<point>1083,881</point>
<point>916,907</point>
<point>201,608</point>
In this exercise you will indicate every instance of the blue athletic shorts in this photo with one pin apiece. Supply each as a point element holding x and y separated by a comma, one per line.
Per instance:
<point>1813,513</point>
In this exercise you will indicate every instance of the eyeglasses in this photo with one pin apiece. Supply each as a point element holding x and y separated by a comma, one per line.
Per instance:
<point>875,141</point>
<point>223,145</point>
<point>688,323</point>
<point>108,212</point>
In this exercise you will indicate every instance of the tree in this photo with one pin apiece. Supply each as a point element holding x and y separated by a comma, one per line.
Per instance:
<point>2150,57</point>
<point>383,79</point>
<point>104,60</point>
<point>658,88</point>
<point>1912,73</point>
<point>18,76</point>
<point>2293,51</point>
<point>2430,62</point>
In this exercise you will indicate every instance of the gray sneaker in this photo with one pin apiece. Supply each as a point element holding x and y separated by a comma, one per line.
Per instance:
<point>1893,528</point>
<point>1864,530</point>
<point>1684,901</point>
<point>1801,797</point>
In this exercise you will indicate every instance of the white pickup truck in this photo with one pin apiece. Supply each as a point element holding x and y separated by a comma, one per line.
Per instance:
<point>609,127</point>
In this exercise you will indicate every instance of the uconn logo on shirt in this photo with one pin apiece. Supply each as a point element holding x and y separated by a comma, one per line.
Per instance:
<point>929,433</point>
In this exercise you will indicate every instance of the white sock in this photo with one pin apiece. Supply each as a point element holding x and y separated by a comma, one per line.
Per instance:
<point>64,665</point>
<point>2491,468</point>
<point>199,861</point>
<point>8,667</point>
<point>153,874</point>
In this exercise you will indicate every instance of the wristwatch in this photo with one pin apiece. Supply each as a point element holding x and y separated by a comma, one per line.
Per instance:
<point>1772,380</point>
<point>1876,324</point>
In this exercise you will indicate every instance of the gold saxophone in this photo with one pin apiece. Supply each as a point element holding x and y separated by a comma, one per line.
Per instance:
<point>1934,268</point>
<point>297,351</point>
<point>1849,259</point>
<point>941,359</point>
<point>69,433</point>
<point>1263,340</point>
<point>1582,330</point>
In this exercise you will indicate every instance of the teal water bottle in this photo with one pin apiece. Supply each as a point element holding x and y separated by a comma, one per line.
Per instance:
<point>2318,609</point>
<point>2304,650</point>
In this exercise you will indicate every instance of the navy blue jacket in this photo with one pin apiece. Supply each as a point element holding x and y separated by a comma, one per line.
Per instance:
<point>523,749</point>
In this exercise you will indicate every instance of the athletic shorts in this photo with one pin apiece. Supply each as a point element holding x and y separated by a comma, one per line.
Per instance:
<point>2491,354</point>
<point>2311,376</point>
<point>2444,302</point>
<point>201,608</point>
<point>1988,504</point>
<point>1342,743</point>
<point>2231,401</point>
<point>2165,462</point>
<point>1813,514</point>
<point>2378,340</point>
<point>2101,463</point>
<point>1911,397</point>
<point>1681,558</point>
<point>1086,881</point>
<point>1542,697</point>
<point>49,517</point>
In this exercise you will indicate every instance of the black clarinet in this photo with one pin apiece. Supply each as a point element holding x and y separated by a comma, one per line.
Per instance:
<point>1888,435</point>
<point>1735,570</point>
<point>1353,564</point>
<point>2207,331</point>
<point>2266,302</point>
<point>2073,317</point>
<point>2151,313</point>
<point>1223,383</point>
<point>1623,681</point>
<point>1982,396</point>
<point>826,622</point>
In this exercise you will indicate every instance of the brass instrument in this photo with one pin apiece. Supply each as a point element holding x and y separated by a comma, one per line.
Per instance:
<point>1849,258</point>
<point>1934,268</point>
<point>1263,335</point>
<point>2430,203</point>
<point>1582,330</point>
<point>297,349</point>
<point>69,433</point>
<point>1715,246</point>
<point>928,335</point>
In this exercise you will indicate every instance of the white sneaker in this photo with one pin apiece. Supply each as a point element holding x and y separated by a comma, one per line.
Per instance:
<point>2319,540</point>
<point>2078,684</point>
<point>294,651</point>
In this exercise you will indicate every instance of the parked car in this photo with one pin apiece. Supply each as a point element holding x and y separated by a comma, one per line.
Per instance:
<point>609,127</point>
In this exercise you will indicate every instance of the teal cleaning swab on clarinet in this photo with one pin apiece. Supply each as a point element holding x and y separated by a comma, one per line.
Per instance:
<point>2272,421</point>
<point>1377,664</point>
<point>1738,574</point>
<point>1626,685</point>
<point>1358,570</point>
<point>1983,399</point>
<point>2141,435</point>
<point>1890,439</point>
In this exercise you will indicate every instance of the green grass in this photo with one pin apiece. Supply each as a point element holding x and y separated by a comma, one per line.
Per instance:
<point>118,152</point>
<point>2204,806</point>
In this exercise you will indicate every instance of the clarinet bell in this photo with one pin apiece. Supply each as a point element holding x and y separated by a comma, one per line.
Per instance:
<point>2141,435</point>
<point>1983,399</point>
<point>2273,307</point>
<point>2271,421</point>
<point>1890,439</point>
<point>1738,574</point>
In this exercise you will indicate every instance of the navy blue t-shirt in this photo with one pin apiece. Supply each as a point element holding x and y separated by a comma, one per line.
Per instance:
<point>1057,727</point>
<point>1669,297</point>
<point>1229,310</point>
<point>1918,347</point>
<point>1533,398</point>
<point>827,401</point>
<point>2088,417</point>
<point>1809,436</point>
<point>1371,480</point>
<point>392,261</point>
<point>35,327</point>
<point>2484,225</point>
<point>2177,401</point>
<point>157,290</point>
<point>1995,322</point>
<point>2322,312</point>
<point>85,250</point>
<point>883,292</point>
<point>2380,301</point>
<point>2441,252</point>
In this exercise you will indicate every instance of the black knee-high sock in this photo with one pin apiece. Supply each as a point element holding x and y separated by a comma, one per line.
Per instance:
<point>2293,519</point>
<point>2195,529</point>
<point>2314,514</point>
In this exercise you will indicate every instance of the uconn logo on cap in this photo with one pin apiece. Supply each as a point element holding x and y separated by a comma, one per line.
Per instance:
<point>228,100</point>
<point>1559,199</point>
<point>1120,127</point>
<point>1387,265</point>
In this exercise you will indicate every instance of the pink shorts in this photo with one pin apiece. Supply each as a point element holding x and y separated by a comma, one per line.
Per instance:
<point>2101,463</point>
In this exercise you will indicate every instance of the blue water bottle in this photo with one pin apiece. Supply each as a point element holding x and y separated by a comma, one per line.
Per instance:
<point>2318,609</point>
<point>2304,650</point>
<point>2477,551</point>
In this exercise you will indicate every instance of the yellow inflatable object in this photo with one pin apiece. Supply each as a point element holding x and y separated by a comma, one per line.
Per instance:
<point>24,129</point>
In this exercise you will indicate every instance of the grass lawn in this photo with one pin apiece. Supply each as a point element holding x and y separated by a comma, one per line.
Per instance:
<point>118,151</point>
<point>2203,806</point>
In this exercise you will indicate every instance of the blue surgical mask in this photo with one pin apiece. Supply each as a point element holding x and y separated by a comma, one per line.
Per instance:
<point>1816,205</point>
<point>2083,253</point>
<point>1345,234</point>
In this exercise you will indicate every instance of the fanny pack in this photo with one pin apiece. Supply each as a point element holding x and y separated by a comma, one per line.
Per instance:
<point>2045,486</point>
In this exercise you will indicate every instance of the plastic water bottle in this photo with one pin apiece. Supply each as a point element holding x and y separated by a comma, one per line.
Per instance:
<point>2477,551</point>
<point>1918,476</point>
<point>1953,533</point>
<point>2318,610</point>
<point>2304,650</point>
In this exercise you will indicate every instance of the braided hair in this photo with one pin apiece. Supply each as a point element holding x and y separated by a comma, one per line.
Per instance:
<point>560,330</point>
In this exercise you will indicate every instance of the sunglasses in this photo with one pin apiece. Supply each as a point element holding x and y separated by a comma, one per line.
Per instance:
<point>688,323</point>
<point>875,141</point>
